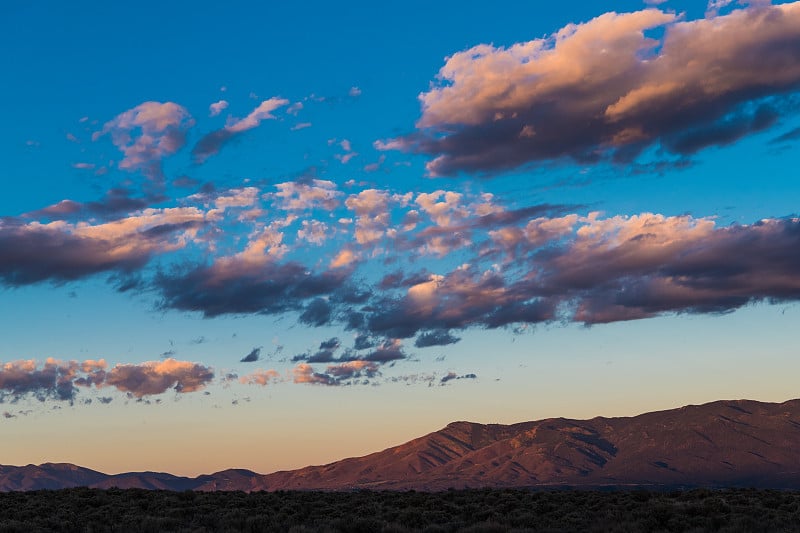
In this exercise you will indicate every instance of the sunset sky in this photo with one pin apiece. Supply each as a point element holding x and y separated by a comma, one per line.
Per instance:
<point>254,235</point>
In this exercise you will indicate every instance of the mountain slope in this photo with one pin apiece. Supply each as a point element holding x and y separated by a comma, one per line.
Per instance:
<point>721,443</point>
<point>724,443</point>
<point>47,476</point>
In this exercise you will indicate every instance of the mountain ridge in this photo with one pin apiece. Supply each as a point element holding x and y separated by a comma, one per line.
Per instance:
<point>721,443</point>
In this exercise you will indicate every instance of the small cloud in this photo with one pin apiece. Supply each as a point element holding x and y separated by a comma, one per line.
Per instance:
<point>156,377</point>
<point>213,142</point>
<point>354,92</point>
<point>253,356</point>
<point>261,377</point>
<point>148,133</point>
<point>217,107</point>
<point>440,337</point>
<point>363,342</point>
<point>789,136</point>
<point>374,167</point>
<point>294,108</point>
<point>185,182</point>
<point>301,126</point>
<point>453,376</point>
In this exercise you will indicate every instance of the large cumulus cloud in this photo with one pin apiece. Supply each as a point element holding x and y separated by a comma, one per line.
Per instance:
<point>606,89</point>
<point>60,251</point>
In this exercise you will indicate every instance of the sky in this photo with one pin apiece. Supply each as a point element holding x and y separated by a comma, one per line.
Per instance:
<point>247,235</point>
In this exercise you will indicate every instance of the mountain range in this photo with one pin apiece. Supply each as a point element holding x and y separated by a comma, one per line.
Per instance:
<point>733,443</point>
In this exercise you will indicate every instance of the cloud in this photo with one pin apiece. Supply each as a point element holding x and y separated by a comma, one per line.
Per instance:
<point>242,197</point>
<point>261,377</point>
<point>325,353</point>
<point>594,270</point>
<point>54,380</point>
<point>605,90</point>
<point>156,377</point>
<point>317,313</point>
<point>388,352</point>
<point>435,338</point>
<point>348,152</point>
<point>715,5</point>
<point>244,285</point>
<point>213,142</point>
<point>57,211</point>
<point>304,373</point>
<point>337,374</point>
<point>371,207</point>
<point>789,136</point>
<point>626,268</point>
<point>306,194</point>
<point>363,342</point>
<point>453,376</point>
<point>148,133</point>
<point>59,251</point>
<point>217,107</point>
<point>500,267</point>
<point>352,369</point>
<point>115,202</point>
<point>60,380</point>
<point>253,356</point>
<point>313,231</point>
<point>345,258</point>
<point>466,297</point>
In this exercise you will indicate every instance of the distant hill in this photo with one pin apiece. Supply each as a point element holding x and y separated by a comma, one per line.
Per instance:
<point>737,443</point>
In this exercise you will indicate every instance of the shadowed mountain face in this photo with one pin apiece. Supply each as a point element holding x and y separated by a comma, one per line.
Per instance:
<point>725,443</point>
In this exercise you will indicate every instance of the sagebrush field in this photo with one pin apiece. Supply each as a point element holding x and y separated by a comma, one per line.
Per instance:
<point>93,510</point>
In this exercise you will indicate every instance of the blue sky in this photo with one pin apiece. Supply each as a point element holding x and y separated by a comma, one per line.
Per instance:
<point>230,234</point>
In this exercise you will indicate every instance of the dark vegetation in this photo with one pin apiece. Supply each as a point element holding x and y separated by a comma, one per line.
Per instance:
<point>92,510</point>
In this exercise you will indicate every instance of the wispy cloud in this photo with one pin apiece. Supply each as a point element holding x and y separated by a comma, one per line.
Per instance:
<point>213,142</point>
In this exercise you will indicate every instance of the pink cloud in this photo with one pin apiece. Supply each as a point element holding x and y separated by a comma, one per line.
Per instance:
<point>371,207</point>
<point>156,377</point>
<point>604,89</point>
<point>217,107</point>
<point>213,142</point>
<point>147,134</point>
<point>61,251</point>
<point>261,377</point>
<point>257,115</point>
<point>302,195</point>
<point>313,231</point>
